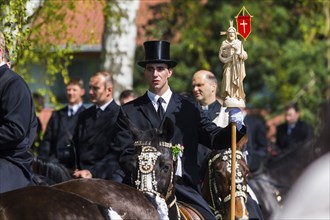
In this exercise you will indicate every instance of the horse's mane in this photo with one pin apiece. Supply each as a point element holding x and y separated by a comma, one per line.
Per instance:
<point>50,172</point>
<point>298,151</point>
<point>285,169</point>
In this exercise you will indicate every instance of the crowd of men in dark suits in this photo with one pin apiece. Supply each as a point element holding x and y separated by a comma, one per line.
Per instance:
<point>96,142</point>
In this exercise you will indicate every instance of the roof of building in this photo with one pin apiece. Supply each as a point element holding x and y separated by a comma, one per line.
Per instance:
<point>87,25</point>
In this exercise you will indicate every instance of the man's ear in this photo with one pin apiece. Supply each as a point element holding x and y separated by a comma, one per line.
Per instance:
<point>170,71</point>
<point>82,93</point>
<point>109,88</point>
<point>214,86</point>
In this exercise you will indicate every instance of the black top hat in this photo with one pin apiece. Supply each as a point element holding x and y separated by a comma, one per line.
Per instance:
<point>157,52</point>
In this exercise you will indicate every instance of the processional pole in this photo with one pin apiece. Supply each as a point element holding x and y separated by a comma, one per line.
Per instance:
<point>233,55</point>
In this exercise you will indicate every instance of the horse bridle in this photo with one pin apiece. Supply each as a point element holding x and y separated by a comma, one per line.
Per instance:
<point>146,171</point>
<point>241,187</point>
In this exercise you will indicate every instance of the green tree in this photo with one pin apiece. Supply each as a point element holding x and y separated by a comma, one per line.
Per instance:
<point>287,48</point>
<point>32,38</point>
<point>38,33</point>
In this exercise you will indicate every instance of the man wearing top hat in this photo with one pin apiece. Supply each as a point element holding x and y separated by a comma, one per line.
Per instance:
<point>191,126</point>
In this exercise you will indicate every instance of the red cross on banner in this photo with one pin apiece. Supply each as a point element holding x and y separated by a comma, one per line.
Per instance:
<point>244,23</point>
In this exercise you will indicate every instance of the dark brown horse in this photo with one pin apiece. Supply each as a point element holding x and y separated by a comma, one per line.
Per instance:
<point>43,203</point>
<point>216,186</point>
<point>128,202</point>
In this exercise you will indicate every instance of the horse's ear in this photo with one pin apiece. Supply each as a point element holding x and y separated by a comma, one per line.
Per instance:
<point>131,127</point>
<point>242,142</point>
<point>168,129</point>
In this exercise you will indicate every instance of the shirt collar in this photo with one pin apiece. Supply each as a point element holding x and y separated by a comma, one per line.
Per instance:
<point>105,105</point>
<point>292,125</point>
<point>74,107</point>
<point>166,96</point>
<point>205,107</point>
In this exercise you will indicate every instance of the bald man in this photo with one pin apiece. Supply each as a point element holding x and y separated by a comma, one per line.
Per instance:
<point>205,85</point>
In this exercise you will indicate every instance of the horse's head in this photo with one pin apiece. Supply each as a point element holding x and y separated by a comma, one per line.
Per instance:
<point>155,168</point>
<point>156,165</point>
<point>216,186</point>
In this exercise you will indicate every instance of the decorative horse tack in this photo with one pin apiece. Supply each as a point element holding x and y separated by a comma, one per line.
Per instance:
<point>147,160</point>
<point>146,176</point>
<point>241,187</point>
<point>216,199</point>
<point>147,183</point>
<point>148,143</point>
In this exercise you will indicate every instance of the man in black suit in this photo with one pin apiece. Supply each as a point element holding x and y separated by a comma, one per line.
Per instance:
<point>204,87</point>
<point>18,125</point>
<point>57,142</point>
<point>293,130</point>
<point>95,130</point>
<point>191,126</point>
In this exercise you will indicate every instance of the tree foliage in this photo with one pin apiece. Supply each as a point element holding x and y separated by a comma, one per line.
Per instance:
<point>287,48</point>
<point>42,37</point>
<point>33,39</point>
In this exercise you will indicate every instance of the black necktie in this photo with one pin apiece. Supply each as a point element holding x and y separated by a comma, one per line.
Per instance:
<point>70,112</point>
<point>160,110</point>
<point>290,128</point>
<point>98,112</point>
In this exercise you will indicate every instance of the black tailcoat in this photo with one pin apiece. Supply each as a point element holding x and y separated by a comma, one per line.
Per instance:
<point>92,142</point>
<point>56,144</point>
<point>18,125</point>
<point>191,126</point>
<point>203,152</point>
